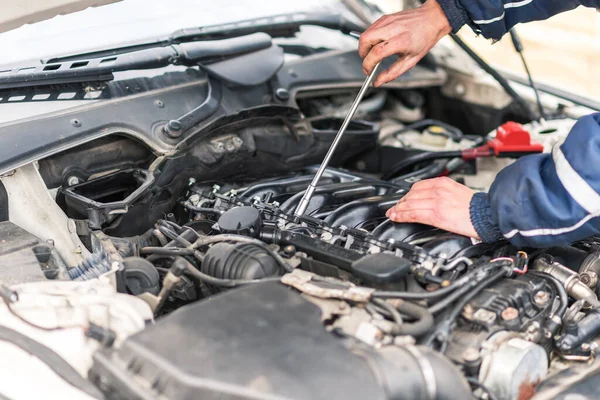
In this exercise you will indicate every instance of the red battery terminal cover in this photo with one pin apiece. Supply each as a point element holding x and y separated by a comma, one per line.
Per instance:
<point>512,138</point>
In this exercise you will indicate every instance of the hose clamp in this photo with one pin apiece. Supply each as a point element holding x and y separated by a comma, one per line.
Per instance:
<point>426,371</point>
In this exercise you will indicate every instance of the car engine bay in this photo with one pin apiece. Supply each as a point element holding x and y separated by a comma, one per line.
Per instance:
<point>167,262</point>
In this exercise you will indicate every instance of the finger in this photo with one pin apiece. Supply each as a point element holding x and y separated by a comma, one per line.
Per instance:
<point>396,45</point>
<point>417,204</point>
<point>398,68</point>
<point>370,38</point>
<point>429,183</point>
<point>381,21</point>
<point>416,216</point>
<point>425,194</point>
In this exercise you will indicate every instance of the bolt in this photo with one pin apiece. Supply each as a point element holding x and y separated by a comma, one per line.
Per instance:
<point>159,104</point>
<point>191,181</point>
<point>219,146</point>
<point>470,355</point>
<point>589,278</point>
<point>468,312</point>
<point>282,94</point>
<point>510,313</point>
<point>541,298</point>
<point>460,89</point>
<point>238,141</point>
<point>532,328</point>
<point>173,129</point>
<point>76,123</point>
<point>585,346</point>
<point>72,181</point>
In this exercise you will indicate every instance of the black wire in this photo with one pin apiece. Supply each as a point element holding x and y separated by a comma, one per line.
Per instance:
<point>446,325</point>
<point>468,277</point>
<point>560,291</point>
<point>446,301</point>
<point>419,158</point>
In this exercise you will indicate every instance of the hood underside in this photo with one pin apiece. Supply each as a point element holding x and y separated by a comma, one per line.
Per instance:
<point>16,14</point>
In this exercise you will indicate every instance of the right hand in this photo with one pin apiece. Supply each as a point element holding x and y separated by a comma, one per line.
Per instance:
<point>410,34</point>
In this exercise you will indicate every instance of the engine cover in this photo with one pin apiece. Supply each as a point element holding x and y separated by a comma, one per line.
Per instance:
<point>261,342</point>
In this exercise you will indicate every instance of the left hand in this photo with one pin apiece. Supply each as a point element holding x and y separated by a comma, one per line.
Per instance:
<point>439,202</point>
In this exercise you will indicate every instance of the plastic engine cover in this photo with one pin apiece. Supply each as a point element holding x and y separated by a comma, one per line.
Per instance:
<point>263,341</point>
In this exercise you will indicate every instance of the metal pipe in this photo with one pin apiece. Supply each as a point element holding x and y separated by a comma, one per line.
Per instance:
<point>303,205</point>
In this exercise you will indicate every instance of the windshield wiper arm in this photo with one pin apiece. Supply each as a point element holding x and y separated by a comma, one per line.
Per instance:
<point>100,69</point>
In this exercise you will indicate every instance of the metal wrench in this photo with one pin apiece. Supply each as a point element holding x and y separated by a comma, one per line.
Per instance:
<point>308,194</point>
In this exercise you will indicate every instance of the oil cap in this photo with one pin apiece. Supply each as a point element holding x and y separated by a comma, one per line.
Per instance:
<point>243,220</point>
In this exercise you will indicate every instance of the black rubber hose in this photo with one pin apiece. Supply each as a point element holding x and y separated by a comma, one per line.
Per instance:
<point>446,325</point>
<point>130,246</point>
<point>446,301</point>
<point>475,291</point>
<point>423,324</point>
<point>185,265</point>
<point>496,75</point>
<point>191,207</point>
<point>561,292</point>
<point>432,170</point>
<point>419,158</point>
<point>46,355</point>
<point>224,237</point>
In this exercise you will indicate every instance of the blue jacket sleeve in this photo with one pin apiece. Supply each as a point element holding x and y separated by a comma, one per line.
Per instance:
<point>494,18</point>
<point>546,199</point>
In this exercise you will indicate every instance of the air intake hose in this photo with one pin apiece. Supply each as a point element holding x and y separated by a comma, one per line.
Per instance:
<point>416,372</point>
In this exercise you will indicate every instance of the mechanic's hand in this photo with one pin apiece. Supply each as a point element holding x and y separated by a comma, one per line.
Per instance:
<point>410,34</point>
<point>440,202</point>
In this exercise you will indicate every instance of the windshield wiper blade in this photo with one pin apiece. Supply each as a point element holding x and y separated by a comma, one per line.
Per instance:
<point>276,26</point>
<point>98,69</point>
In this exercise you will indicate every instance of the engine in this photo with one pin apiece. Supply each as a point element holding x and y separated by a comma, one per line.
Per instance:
<point>391,302</point>
<point>181,270</point>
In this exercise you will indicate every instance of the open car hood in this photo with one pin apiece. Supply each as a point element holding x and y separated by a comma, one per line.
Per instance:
<point>16,14</point>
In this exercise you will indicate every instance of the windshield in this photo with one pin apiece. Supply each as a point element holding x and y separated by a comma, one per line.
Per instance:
<point>136,20</point>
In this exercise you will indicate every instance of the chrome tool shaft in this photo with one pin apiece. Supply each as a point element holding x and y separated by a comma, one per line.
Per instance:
<point>303,205</point>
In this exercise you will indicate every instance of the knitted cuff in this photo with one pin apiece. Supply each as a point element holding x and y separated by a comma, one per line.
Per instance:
<point>457,16</point>
<point>481,218</point>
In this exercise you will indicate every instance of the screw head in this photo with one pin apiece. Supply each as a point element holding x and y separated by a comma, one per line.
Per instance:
<point>76,123</point>
<point>282,94</point>
<point>510,313</point>
<point>72,181</point>
<point>471,354</point>
<point>159,103</point>
<point>541,298</point>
